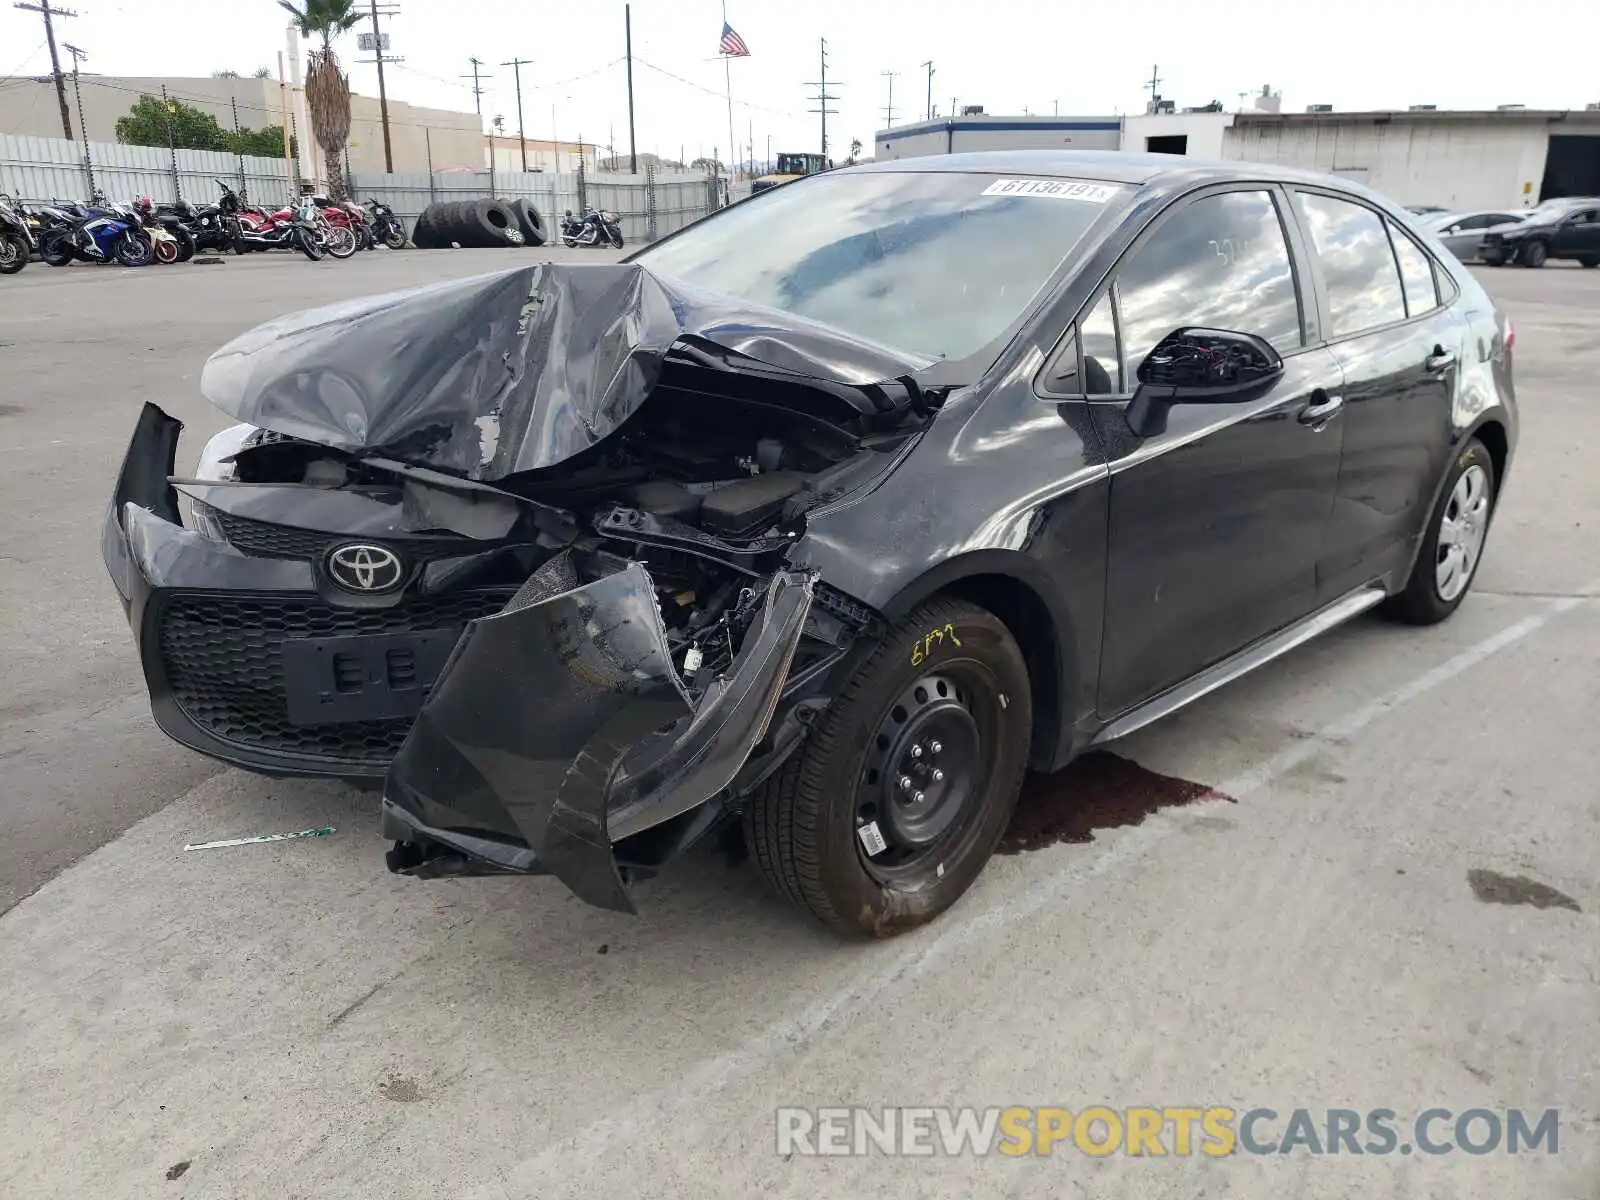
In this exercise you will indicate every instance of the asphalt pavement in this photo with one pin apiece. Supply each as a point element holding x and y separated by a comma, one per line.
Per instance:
<point>1363,877</point>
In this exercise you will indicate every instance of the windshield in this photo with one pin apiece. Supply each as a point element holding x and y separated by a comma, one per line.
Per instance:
<point>791,164</point>
<point>937,263</point>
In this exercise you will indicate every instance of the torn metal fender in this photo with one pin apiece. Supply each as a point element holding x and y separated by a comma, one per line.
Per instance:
<point>561,721</point>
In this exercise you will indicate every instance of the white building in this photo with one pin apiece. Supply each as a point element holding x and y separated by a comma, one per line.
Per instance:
<point>1455,159</point>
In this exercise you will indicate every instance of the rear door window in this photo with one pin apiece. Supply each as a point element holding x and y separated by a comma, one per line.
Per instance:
<point>1416,273</point>
<point>1359,269</point>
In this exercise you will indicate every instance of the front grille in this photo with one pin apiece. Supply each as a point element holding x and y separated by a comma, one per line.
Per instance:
<point>263,539</point>
<point>224,664</point>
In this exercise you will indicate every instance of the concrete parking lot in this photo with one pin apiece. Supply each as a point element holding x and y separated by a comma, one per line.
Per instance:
<point>291,1020</point>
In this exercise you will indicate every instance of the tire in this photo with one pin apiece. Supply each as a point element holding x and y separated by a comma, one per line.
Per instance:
<point>802,824</point>
<point>134,250</point>
<point>395,239</point>
<point>530,222</point>
<point>165,252</point>
<point>55,250</point>
<point>342,241</point>
<point>1424,601</point>
<point>308,246</point>
<point>186,244</point>
<point>13,253</point>
<point>1494,259</point>
<point>616,238</point>
<point>1589,261</point>
<point>1534,254</point>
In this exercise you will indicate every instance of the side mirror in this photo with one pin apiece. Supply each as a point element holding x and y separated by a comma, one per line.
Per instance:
<point>1200,366</point>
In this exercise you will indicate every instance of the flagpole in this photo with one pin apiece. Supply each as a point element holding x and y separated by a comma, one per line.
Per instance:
<point>727,84</point>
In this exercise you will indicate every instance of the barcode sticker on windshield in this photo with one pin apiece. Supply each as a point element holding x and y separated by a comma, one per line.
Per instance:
<point>1054,189</point>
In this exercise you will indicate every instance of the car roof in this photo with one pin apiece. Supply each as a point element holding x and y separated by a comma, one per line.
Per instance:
<point>1108,166</point>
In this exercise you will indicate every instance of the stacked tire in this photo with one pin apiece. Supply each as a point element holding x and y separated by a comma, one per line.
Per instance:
<point>479,224</point>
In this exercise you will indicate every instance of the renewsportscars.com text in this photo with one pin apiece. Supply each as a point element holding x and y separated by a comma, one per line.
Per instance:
<point>1179,1131</point>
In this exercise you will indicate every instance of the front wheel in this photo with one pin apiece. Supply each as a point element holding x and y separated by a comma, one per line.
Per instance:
<point>1453,544</point>
<point>165,251</point>
<point>1589,260</point>
<point>616,238</point>
<point>1534,254</point>
<point>341,241</point>
<point>134,250</point>
<point>896,800</point>
<point>309,245</point>
<point>395,239</point>
<point>13,253</point>
<point>1493,258</point>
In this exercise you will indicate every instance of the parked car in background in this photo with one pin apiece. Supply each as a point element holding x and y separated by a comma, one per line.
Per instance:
<point>1424,210</point>
<point>1568,229</point>
<point>1462,232</point>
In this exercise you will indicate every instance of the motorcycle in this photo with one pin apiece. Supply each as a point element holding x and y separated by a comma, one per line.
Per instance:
<point>386,227</point>
<point>170,240</point>
<point>595,228</point>
<point>99,232</point>
<point>16,241</point>
<point>303,227</point>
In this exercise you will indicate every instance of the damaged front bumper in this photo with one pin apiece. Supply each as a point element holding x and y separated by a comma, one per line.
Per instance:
<point>559,737</point>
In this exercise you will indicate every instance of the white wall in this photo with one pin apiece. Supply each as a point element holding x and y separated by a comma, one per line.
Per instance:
<point>1454,163</point>
<point>1206,131</point>
<point>999,133</point>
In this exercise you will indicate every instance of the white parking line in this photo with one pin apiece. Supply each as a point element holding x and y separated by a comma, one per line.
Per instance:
<point>627,1126</point>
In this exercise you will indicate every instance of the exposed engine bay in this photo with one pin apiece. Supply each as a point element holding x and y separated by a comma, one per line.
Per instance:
<point>706,485</point>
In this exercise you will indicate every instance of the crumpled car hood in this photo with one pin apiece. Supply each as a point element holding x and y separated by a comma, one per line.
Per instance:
<point>496,374</point>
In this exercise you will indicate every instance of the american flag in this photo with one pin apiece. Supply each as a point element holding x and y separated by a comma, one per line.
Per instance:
<point>732,44</point>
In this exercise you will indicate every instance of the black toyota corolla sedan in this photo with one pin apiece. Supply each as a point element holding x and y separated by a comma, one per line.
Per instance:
<point>832,514</point>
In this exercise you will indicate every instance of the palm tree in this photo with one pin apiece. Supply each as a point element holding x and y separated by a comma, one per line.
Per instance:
<point>327,89</point>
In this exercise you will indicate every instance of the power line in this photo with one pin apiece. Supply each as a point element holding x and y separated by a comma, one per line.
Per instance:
<point>26,60</point>
<point>697,87</point>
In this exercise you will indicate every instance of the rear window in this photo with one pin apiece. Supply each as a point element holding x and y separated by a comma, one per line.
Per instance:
<point>936,263</point>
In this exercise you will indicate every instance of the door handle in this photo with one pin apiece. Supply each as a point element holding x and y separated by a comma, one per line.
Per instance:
<point>1440,360</point>
<point>1322,409</point>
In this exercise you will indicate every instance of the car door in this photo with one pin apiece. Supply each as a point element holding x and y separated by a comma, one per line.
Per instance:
<point>1579,235</point>
<point>1214,523</point>
<point>1463,235</point>
<point>1386,316</point>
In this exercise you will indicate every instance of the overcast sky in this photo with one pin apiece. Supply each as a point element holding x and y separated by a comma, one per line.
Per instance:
<point>1007,55</point>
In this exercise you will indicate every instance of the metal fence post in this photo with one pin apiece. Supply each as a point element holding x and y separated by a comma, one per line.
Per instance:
<point>650,233</point>
<point>583,193</point>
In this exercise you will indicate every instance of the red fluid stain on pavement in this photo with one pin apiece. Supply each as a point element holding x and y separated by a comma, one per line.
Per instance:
<point>1099,790</point>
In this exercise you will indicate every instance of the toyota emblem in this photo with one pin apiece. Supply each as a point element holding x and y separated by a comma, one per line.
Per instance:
<point>360,567</point>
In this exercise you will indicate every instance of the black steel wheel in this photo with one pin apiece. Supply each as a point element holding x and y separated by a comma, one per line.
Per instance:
<point>892,806</point>
<point>1533,254</point>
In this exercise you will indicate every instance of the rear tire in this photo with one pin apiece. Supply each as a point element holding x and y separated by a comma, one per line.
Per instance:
<point>1424,602</point>
<point>1590,261</point>
<point>949,670</point>
<point>55,250</point>
<point>1534,254</point>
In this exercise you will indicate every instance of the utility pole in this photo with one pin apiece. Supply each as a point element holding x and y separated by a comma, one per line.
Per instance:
<point>55,62</point>
<point>516,65</point>
<point>627,27</point>
<point>822,97</point>
<point>238,150</point>
<point>1155,82</point>
<point>77,92</point>
<point>172,145</point>
<point>477,87</point>
<point>929,65</point>
<point>888,109</point>
<point>380,57</point>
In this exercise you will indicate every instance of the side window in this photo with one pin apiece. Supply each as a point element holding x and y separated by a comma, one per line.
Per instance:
<point>1222,262</point>
<point>1102,366</point>
<point>1358,264</point>
<point>1416,273</point>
